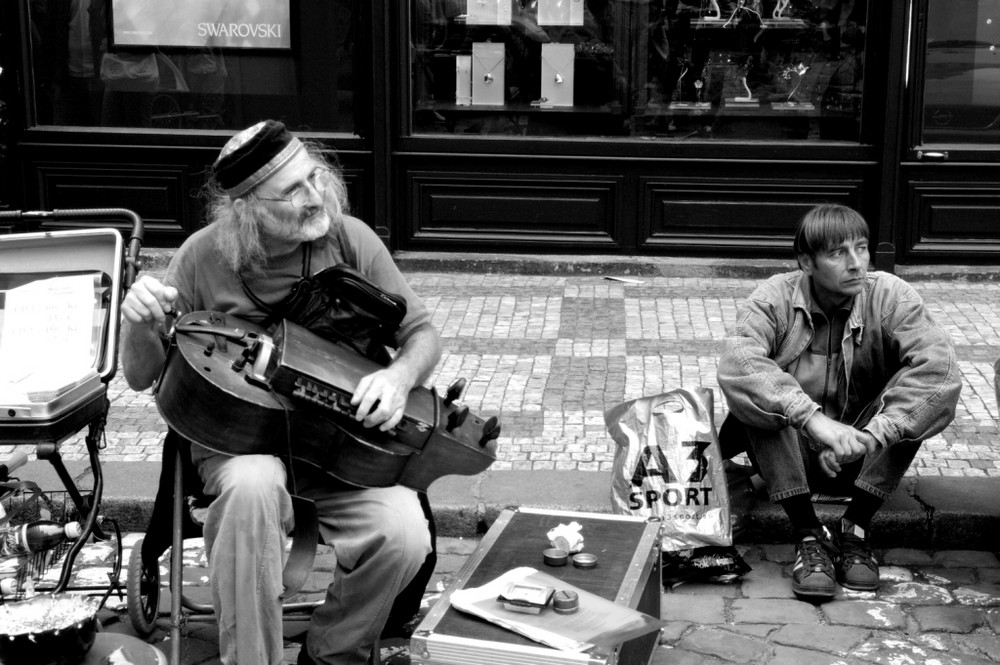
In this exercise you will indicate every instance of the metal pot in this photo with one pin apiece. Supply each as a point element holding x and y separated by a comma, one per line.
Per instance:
<point>54,629</point>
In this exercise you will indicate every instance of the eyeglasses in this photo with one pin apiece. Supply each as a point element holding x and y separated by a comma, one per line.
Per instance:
<point>319,179</point>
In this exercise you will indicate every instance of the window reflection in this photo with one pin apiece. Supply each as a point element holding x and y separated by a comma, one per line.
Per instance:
<point>962,80</point>
<point>79,81</point>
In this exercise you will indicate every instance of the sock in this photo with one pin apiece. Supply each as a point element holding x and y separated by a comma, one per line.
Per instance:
<point>863,507</point>
<point>801,514</point>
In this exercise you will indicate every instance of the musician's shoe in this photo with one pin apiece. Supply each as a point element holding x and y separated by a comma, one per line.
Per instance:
<point>857,567</point>
<point>814,575</point>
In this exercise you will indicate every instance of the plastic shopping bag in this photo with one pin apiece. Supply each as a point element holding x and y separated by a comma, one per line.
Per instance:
<point>667,465</point>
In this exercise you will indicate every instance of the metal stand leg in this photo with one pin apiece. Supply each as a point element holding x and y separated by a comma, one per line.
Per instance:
<point>177,563</point>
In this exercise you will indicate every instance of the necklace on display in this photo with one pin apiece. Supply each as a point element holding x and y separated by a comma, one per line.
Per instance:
<point>488,75</point>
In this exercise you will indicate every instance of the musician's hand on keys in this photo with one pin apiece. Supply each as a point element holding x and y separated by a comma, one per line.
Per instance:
<point>148,302</point>
<point>380,399</point>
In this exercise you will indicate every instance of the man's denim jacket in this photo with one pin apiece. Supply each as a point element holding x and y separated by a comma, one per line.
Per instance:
<point>902,376</point>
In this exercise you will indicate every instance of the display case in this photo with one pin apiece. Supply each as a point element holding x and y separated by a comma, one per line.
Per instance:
<point>670,69</point>
<point>541,67</point>
<point>750,69</point>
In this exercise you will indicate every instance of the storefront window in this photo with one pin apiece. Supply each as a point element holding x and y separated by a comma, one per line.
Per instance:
<point>194,64</point>
<point>962,81</point>
<point>701,69</point>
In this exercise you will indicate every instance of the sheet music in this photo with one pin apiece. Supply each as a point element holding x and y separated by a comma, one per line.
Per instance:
<point>46,341</point>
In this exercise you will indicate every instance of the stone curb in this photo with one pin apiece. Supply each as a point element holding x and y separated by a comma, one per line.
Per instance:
<point>156,259</point>
<point>936,513</point>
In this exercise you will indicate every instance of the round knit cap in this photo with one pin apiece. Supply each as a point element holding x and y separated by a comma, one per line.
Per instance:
<point>253,155</point>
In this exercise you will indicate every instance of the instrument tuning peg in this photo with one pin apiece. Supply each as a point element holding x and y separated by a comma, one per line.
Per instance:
<point>457,418</point>
<point>455,391</point>
<point>491,430</point>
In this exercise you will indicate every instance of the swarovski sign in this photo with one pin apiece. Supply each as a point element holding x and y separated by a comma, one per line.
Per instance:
<point>261,24</point>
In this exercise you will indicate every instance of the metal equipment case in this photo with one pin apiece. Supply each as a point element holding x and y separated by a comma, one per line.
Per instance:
<point>627,572</point>
<point>33,256</point>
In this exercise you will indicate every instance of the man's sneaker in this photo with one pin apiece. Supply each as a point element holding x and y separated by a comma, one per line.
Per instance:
<point>814,575</point>
<point>857,567</point>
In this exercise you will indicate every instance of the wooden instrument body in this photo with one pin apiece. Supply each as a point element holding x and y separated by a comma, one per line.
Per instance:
<point>234,389</point>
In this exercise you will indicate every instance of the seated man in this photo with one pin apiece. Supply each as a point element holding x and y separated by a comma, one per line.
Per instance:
<point>278,205</point>
<point>834,376</point>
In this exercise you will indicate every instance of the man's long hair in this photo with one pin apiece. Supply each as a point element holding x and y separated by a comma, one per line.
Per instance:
<point>825,226</point>
<point>242,246</point>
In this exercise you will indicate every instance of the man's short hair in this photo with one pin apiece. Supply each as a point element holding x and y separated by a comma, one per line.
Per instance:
<point>828,225</point>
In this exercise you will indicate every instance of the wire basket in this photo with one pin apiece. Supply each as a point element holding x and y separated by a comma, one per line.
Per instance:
<point>26,575</point>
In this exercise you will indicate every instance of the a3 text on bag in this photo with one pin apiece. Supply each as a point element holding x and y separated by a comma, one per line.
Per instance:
<point>667,465</point>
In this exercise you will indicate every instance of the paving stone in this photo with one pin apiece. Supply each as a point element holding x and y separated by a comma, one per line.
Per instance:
<point>774,611</point>
<point>673,630</point>
<point>697,609</point>
<point>980,595</point>
<point>837,640</point>
<point>986,645</point>
<point>766,581</point>
<point>753,629</point>
<point>784,553</point>
<point>894,574</point>
<point>674,656</point>
<point>948,618</point>
<point>897,650</point>
<point>723,645</point>
<point>793,656</point>
<point>947,576</point>
<point>865,614</point>
<point>720,589</point>
<point>915,593</point>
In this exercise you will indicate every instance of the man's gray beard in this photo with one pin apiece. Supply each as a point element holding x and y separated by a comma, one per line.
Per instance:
<point>312,228</point>
<point>249,258</point>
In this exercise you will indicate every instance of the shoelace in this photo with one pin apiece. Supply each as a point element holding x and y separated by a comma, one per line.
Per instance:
<point>812,554</point>
<point>856,550</point>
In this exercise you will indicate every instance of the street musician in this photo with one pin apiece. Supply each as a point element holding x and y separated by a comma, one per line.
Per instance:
<point>277,211</point>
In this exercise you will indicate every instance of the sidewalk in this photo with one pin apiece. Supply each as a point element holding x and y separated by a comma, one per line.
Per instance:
<point>933,608</point>
<point>549,353</point>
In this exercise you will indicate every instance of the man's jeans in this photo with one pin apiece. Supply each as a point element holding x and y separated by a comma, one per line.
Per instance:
<point>789,467</point>
<point>380,538</point>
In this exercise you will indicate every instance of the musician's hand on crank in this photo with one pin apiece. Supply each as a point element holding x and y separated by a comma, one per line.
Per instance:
<point>380,399</point>
<point>148,302</point>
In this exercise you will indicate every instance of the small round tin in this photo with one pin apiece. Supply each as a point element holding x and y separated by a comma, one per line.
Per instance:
<point>565,602</point>
<point>555,557</point>
<point>584,560</point>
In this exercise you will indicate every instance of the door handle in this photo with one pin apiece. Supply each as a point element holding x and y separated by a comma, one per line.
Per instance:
<point>932,156</point>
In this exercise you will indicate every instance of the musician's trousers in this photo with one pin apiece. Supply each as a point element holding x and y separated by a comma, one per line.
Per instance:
<point>380,539</point>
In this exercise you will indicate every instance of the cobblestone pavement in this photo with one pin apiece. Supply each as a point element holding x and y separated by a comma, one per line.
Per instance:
<point>933,608</point>
<point>549,354</point>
